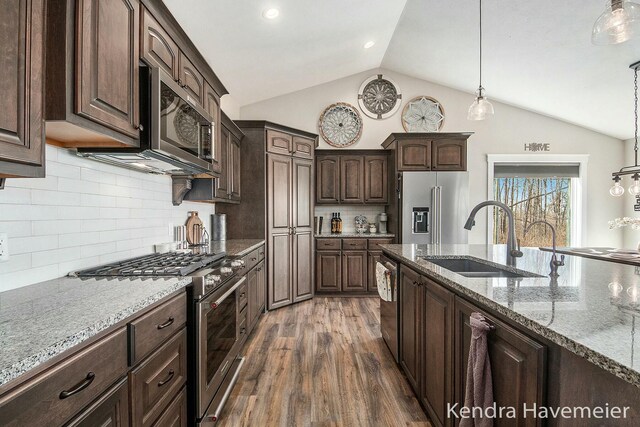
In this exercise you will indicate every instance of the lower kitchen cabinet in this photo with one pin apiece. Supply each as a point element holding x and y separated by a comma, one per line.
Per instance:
<point>256,283</point>
<point>176,413</point>
<point>518,364</point>
<point>374,257</point>
<point>354,271</point>
<point>112,409</point>
<point>410,325</point>
<point>328,271</point>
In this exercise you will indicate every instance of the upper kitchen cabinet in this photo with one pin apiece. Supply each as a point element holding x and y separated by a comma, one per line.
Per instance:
<point>429,151</point>
<point>288,144</point>
<point>93,72</point>
<point>212,105</point>
<point>352,177</point>
<point>158,48</point>
<point>21,88</point>
<point>191,80</point>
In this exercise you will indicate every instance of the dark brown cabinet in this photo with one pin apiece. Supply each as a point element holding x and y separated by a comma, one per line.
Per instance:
<point>191,80</point>
<point>303,148</point>
<point>158,48</point>
<point>327,179</point>
<point>354,178</point>
<point>373,258</point>
<point>410,319</point>
<point>176,414</point>
<point>107,60</point>
<point>428,151</point>
<point>112,409</point>
<point>328,271</point>
<point>517,364</point>
<point>212,105</point>
<point>22,89</point>
<point>256,289</point>
<point>279,142</point>
<point>234,168</point>
<point>223,188</point>
<point>354,271</point>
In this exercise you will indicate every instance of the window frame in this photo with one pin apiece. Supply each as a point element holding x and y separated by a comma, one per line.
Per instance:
<point>578,188</point>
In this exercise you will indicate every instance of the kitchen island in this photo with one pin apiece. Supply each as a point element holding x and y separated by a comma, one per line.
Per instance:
<point>562,341</point>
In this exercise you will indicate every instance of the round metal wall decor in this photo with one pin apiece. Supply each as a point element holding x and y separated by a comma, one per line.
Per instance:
<point>340,125</point>
<point>379,97</point>
<point>423,114</point>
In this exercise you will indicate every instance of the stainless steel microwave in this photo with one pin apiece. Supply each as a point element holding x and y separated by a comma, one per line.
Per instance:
<point>177,135</point>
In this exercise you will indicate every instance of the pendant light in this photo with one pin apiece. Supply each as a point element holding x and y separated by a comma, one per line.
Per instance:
<point>618,190</point>
<point>619,22</point>
<point>481,108</point>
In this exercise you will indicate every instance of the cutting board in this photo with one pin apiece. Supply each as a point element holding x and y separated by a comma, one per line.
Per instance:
<point>194,229</point>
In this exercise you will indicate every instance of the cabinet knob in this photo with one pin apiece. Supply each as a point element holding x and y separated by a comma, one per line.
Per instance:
<point>138,127</point>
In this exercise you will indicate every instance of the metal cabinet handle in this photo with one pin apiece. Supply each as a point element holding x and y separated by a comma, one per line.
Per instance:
<point>166,380</point>
<point>138,127</point>
<point>78,387</point>
<point>169,322</point>
<point>254,259</point>
<point>243,331</point>
<point>294,230</point>
<point>242,295</point>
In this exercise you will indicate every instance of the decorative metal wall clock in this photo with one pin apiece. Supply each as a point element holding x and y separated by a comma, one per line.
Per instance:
<point>340,125</point>
<point>379,97</point>
<point>423,114</point>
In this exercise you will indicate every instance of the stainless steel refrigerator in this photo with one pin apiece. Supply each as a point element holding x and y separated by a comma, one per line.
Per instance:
<point>435,206</point>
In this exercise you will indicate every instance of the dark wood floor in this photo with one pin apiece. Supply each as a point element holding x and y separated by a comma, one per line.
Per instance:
<point>321,363</point>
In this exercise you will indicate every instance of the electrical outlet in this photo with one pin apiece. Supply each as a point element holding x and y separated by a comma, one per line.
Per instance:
<point>4,247</point>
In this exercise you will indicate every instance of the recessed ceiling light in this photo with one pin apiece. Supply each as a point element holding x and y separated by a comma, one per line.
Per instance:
<point>271,13</point>
<point>369,44</point>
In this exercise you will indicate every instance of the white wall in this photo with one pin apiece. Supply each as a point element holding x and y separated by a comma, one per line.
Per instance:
<point>83,214</point>
<point>506,133</point>
<point>230,106</point>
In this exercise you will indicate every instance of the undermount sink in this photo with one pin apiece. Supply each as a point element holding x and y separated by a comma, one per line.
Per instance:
<point>469,267</point>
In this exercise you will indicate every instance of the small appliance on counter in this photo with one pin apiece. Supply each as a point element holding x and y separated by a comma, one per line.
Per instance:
<point>218,227</point>
<point>382,223</point>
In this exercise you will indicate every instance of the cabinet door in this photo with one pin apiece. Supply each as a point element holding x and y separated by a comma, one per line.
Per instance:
<point>107,63</point>
<point>112,409</point>
<point>279,229</point>
<point>157,46</point>
<point>328,271</point>
<point>327,179</point>
<point>234,171</point>
<point>212,105</point>
<point>354,271</point>
<point>252,297</point>
<point>302,265</point>
<point>414,155</point>
<point>374,257</point>
<point>191,80</point>
<point>303,147</point>
<point>21,88</point>
<point>352,179</point>
<point>375,180</point>
<point>279,142</point>
<point>176,414</point>
<point>437,351</point>
<point>517,365</point>
<point>449,155</point>
<point>302,194</point>
<point>222,182</point>
<point>410,317</point>
<point>262,287</point>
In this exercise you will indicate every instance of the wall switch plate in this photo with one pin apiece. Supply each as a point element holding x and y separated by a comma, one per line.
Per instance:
<point>4,247</point>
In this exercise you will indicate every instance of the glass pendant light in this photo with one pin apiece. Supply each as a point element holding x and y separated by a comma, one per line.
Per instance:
<point>481,108</point>
<point>634,189</point>
<point>619,22</point>
<point>617,190</point>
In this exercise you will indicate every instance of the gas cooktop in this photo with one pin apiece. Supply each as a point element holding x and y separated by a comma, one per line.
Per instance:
<point>167,264</point>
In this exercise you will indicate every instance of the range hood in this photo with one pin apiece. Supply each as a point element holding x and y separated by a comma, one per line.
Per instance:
<point>147,161</point>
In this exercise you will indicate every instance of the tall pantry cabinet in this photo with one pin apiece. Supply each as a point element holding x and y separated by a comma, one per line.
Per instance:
<point>277,205</point>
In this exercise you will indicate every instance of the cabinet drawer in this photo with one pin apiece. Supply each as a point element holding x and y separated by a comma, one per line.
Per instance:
<point>54,396</point>
<point>176,413</point>
<point>150,330</point>
<point>242,296</point>
<point>354,244</point>
<point>328,244</point>
<point>158,379</point>
<point>112,409</point>
<point>242,326</point>
<point>374,244</point>
<point>253,258</point>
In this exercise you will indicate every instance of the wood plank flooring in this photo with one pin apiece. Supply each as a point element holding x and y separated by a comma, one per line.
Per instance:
<point>321,363</point>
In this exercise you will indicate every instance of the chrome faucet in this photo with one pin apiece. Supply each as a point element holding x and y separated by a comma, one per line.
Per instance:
<point>513,246</point>
<point>554,264</point>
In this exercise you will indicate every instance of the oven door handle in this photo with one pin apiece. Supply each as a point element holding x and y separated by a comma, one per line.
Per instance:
<point>217,302</point>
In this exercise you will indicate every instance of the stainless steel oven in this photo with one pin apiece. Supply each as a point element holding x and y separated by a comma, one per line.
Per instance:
<point>217,348</point>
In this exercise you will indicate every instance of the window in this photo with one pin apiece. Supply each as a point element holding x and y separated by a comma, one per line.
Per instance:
<point>537,191</point>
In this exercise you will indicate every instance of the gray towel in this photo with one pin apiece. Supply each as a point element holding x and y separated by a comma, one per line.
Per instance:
<point>479,388</point>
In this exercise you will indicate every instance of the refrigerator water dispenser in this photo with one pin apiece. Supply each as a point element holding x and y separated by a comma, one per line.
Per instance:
<point>420,220</point>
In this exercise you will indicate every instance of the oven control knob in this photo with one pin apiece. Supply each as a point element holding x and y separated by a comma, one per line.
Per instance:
<point>238,263</point>
<point>212,279</point>
<point>226,270</point>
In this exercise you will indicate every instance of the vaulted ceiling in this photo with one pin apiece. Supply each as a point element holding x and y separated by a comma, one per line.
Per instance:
<point>537,54</point>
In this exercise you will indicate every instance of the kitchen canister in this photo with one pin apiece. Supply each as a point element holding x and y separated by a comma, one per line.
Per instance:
<point>218,227</point>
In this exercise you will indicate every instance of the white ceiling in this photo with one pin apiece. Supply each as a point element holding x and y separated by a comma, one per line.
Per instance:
<point>537,54</point>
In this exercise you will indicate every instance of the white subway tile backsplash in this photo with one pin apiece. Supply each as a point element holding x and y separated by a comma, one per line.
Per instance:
<point>84,213</point>
<point>348,214</point>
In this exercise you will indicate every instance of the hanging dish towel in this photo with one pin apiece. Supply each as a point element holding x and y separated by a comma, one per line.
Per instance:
<point>479,388</point>
<point>383,282</point>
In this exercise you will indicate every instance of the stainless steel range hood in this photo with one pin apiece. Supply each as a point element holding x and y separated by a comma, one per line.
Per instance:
<point>147,161</point>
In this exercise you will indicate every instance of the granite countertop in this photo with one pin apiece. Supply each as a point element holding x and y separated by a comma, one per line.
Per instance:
<point>354,234</point>
<point>41,321</point>
<point>235,247</point>
<point>579,310</point>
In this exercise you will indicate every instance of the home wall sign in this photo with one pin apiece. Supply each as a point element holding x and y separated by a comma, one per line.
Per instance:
<point>537,147</point>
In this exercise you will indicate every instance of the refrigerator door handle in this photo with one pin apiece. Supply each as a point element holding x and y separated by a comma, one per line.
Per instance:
<point>434,215</point>
<point>438,214</point>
